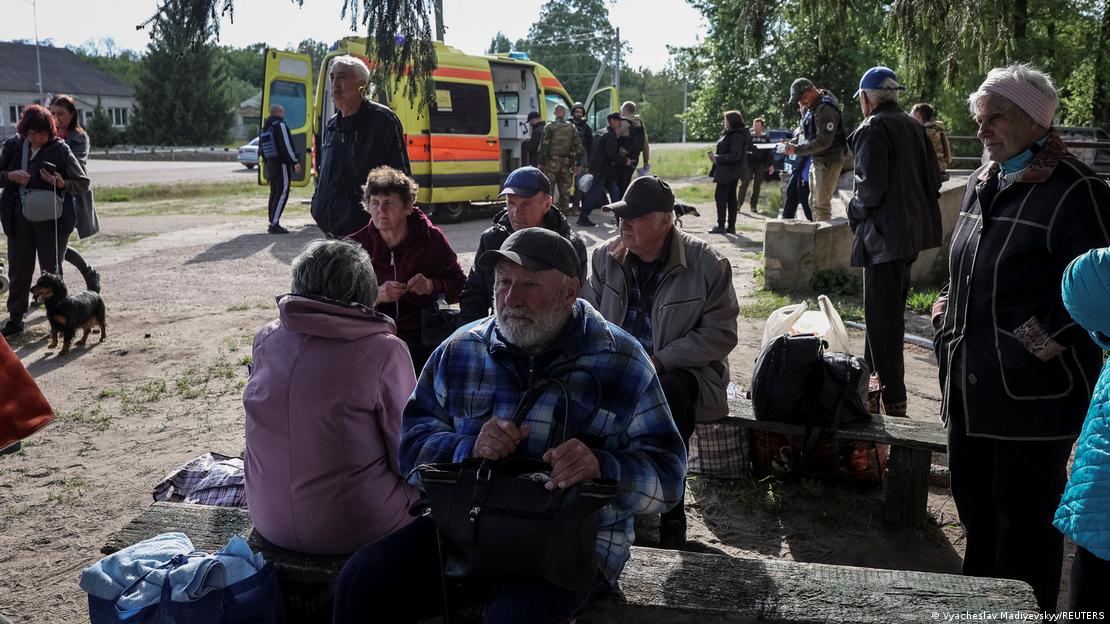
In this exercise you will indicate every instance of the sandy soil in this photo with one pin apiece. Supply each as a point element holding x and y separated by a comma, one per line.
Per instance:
<point>185,295</point>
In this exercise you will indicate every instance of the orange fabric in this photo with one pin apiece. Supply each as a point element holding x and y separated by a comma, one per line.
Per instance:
<point>23,408</point>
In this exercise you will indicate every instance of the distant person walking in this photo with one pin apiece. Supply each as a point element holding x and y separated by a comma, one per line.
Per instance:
<point>761,163</point>
<point>361,136</point>
<point>730,165</point>
<point>578,118</point>
<point>893,214</point>
<point>938,135</point>
<point>64,110</point>
<point>824,141</point>
<point>530,149</point>
<point>633,139</point>
<point>281,160</point>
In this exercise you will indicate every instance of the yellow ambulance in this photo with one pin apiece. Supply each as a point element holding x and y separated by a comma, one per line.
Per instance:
<point>465,145</point>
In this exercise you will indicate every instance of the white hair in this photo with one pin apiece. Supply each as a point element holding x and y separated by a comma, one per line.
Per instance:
<point>358,67</point>
<point>878,97</point>
<point>1017,71</point>
<point>628,108</point>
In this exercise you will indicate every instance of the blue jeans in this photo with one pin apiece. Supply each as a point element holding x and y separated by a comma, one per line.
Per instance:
<point>599,187</point>
<point>399,579</point>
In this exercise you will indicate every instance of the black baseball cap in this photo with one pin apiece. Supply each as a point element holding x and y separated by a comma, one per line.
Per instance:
<point>797,88</point>
<point>533,115</point>
<point>536,249</point>
<point>645,195</point>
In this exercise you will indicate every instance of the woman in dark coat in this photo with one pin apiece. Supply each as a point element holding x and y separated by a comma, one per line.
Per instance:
<point>65,117</point>
<point>730,163</point>
<point>26,239</point>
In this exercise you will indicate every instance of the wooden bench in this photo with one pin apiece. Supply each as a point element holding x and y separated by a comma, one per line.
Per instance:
<point>912,443</point>
<point>657,585</point>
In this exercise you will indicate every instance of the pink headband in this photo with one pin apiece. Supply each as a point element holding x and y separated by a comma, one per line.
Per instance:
<point>1028,98</point>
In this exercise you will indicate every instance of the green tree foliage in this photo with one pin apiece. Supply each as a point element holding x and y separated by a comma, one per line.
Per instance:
<point>245,64</point>
<point>182,98</point>
<point>100,127</point>
<point>106,56</point>
<point>572,38</point>
<point>499,44</point>
<point>317,50</point>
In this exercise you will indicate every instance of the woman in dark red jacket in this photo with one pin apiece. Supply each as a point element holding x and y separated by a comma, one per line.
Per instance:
<point>412,258</point>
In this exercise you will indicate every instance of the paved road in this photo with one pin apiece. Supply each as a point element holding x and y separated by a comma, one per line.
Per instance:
<point>133,172</point>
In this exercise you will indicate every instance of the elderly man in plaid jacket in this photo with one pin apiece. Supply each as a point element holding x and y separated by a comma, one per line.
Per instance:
<point>618,426</point>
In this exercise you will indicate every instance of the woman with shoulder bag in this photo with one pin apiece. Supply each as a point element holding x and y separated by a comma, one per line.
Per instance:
<point>37,170</point>
<point>65,115</point>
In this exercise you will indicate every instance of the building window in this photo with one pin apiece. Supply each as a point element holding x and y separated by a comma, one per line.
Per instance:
<point>14,113</point>
<point>118,115</point>
<point>461,108</point>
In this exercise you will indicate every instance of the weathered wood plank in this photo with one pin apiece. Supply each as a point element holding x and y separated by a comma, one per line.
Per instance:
<point>661,585</point>
<point>882,429</point>
<point>906,498</point>
<point>680,587</point>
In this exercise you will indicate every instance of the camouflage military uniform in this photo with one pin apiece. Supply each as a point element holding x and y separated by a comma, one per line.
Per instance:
<point>939,137</point>
<point>560,150</point>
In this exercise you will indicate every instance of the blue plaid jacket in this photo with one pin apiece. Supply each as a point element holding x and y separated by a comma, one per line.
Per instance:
<point>474,375</point>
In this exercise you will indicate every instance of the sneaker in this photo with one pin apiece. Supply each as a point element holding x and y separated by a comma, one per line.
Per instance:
<point>92,279</point>
<point>717,230</point>
<point>585,222</point>
<point>276,229</point>
<point>11,328</point>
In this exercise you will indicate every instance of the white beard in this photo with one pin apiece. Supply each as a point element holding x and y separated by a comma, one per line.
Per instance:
<point>526,331</point>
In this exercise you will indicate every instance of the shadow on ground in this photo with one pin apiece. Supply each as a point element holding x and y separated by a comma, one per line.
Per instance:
<point>283,247</point>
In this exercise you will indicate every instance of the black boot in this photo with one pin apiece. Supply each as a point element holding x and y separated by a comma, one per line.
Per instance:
<point>672,528</point>
<point>12,327</point>
<point>92,279</point>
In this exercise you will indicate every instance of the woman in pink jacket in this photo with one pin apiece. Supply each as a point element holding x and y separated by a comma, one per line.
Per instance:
<point>323,410</point>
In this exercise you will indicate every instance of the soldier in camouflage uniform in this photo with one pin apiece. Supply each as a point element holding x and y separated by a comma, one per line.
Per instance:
<point>560,155</point>
<point>938,135</point>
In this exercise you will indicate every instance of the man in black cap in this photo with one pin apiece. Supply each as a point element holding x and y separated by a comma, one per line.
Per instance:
<point>825,142</point>
<point>529,150</point>
<point>607,166</point>
<point>527,194</point>
<point>597,411</point>
<point>674,294</point>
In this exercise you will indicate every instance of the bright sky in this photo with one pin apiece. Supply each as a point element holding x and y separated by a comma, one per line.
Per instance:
<point>471,24</point>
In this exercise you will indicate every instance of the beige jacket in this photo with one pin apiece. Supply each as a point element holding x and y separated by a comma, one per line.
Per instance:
<point>693,324</point>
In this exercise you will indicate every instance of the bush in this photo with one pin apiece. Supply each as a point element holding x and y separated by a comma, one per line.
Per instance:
<point>921,301</point>
<point>836,282</point>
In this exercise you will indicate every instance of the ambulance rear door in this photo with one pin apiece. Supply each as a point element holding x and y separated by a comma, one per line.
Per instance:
<point>601,103</point>
<point>462,135</point>
<point>288,82</point>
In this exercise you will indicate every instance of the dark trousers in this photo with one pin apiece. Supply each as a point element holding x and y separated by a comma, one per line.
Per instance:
<point>1089,589</point>
<point>756,180</point>
<point>624,180</point>
<point>797,192</point>
<point>598,189</point>
<point>1006,493</point>
<point>885,288</point>
<point>681,389</point>
<point>398,579</point>
<point>45,240</point>
<point>279,175</point>
<point>725,196</point>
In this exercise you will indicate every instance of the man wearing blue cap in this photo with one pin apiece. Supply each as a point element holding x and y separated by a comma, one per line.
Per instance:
<point>823,141</point>
<point>527,194</point>
<point>894,214</point>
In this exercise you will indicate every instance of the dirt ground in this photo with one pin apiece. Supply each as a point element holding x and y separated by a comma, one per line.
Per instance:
<point>185,294</point>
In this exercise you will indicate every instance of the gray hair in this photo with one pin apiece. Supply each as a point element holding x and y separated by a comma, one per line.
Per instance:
<point>357,66</point>
<point>337,270</point>
<point>628,108</point>
<point>886,93</point>
<point>1017,71</point>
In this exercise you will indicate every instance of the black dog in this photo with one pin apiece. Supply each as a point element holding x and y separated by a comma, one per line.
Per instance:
<point>84,310</point>
<point>681,210</point>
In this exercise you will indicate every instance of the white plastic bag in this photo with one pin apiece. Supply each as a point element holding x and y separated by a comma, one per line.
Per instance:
<point>796,319</point>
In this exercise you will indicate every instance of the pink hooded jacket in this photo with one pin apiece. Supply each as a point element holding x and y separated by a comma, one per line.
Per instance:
<point>323,417</point>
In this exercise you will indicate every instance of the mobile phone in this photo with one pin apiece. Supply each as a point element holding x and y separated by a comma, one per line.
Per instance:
<point>49,166</point>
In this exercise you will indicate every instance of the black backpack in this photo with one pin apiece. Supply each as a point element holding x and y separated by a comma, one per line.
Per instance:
<point>796,382</point>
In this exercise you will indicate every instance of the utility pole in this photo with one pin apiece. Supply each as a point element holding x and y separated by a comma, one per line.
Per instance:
<point>617,61</point>
<point>685,88</point>
<point>439,19</point>
<point>38,61</point>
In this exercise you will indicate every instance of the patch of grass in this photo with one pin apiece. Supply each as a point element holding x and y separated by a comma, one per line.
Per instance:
<point>190,198</point>
<point>94,415</point>
<point>72,487</point>
<point>921,301</point>
<point>698,194</point>
<point>766,302</point>
<point>245,360</point>
<point>680,163</point>
<point>111,240</point>
<point>221,377</point>
<point>770,200</point>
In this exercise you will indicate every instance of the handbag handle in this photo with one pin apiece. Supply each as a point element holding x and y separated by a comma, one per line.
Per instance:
<point>533,393</point>
<point>176,561</point>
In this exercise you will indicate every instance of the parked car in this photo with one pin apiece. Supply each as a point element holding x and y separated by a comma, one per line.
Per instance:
<point>1097,158</point>
<point>248,154</point>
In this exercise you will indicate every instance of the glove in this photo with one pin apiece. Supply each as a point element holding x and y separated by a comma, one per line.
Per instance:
<point>644,171</point>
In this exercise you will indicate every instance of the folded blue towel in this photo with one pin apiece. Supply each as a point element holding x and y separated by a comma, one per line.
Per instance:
<point>133,577</point>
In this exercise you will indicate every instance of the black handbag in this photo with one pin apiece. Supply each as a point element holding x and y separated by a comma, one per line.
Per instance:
<point>437,323</point>
<point>496,518</point>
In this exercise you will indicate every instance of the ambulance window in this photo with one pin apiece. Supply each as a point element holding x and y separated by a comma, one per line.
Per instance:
<point>461,109</point>
<point>553,100</point>
<point>508,103</point>
<point>291,96</point>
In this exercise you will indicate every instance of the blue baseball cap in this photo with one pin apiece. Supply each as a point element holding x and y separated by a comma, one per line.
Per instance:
<point>526,182</point>
<point>879,78</point>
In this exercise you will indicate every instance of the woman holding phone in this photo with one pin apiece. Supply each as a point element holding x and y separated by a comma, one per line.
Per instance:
<point>49,165</point>
<point>65,116</point>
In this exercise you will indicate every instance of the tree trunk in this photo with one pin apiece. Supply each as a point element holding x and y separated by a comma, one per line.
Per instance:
<point>1020,26</point>
<point>1101,103</point>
